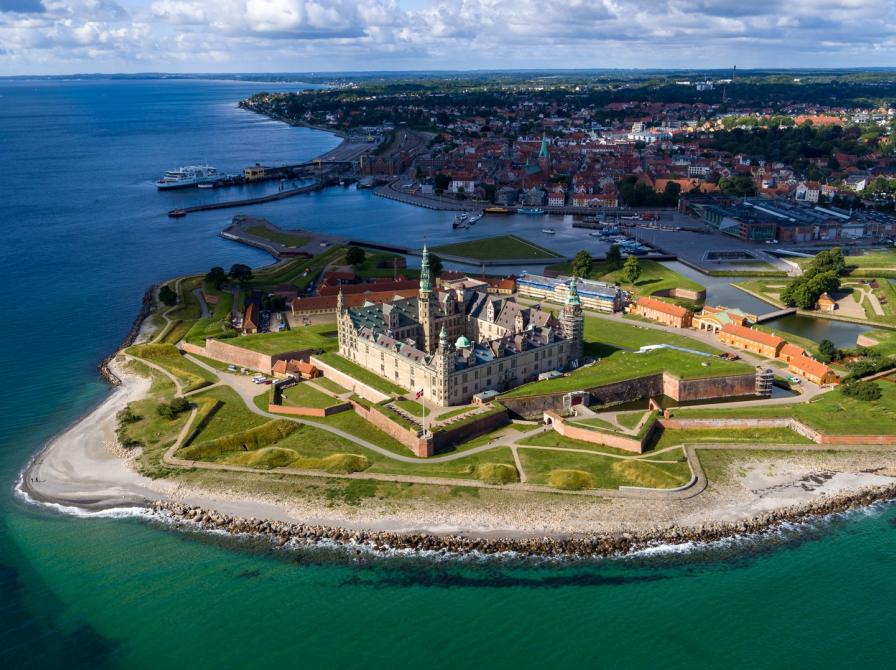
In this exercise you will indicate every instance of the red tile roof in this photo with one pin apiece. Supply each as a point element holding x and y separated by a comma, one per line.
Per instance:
<point>792,350</point>
<point>662,306</point>
<point>810,366</point>
<point>753,335</point>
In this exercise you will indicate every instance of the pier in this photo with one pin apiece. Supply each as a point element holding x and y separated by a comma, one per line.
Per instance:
<point>227,204</point>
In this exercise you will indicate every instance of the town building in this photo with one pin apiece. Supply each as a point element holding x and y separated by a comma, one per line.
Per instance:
<point>593,295</point>
<point>664,312</point>
<point>454,344</point>
<point>825,303</point>
<point>750,339</point>
<point>713,319</point>
<point>813,370</point>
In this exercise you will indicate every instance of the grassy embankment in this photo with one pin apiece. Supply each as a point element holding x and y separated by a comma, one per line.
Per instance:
<point>280,236</point>
<point>361,374</point>
<point>832,413</point>
<point>321,336</point>
<point>503,247</point>
<point>167,356</point>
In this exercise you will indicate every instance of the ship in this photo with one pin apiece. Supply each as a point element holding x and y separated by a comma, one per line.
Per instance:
<point>460,221</point>
<point>548,231</point>
<point>530,211</point>
<point>496,210</point>
<point>473,218</point>
<point>190,175</point>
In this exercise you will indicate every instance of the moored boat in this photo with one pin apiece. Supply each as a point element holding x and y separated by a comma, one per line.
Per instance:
<point>549,231</point>
<point>190,175</point>
<point>530,211</point>
<point>496,210</point>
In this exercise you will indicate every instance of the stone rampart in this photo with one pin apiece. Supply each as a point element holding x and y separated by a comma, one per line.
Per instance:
<point>240,357</point>
<point>448,437</point>
<point>615,440</point>
<point>731,386</point>
<point>347,381</point>
<point>407,436</point>
<point>308,411</point>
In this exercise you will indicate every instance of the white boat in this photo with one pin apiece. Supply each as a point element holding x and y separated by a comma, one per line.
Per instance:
<point>549,231</point>
<point>190,175</point>
<point>475,217</point>
<point>206,185</point>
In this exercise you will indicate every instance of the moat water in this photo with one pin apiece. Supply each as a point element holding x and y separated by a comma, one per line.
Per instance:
<point>86,232</point>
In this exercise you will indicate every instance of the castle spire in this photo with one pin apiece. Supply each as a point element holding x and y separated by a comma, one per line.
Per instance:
<point>425,274</point>
<point>340,301</point>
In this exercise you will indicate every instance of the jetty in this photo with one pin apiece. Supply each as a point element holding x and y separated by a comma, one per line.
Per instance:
<point>229,204</point>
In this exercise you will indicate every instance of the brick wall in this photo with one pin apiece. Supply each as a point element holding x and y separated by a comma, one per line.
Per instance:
<point>243,358</point>
<point>596,437</point>
<point>730,386</point>
<point>349,382</point>
<point>406,436</point>
<point>445,439</point>
<point>308,411</point>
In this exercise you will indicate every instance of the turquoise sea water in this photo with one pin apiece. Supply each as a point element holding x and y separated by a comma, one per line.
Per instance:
<point>85,233</point>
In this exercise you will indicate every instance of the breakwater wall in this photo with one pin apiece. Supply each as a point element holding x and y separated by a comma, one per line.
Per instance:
<point>146,307</point>
<point>283,533</point>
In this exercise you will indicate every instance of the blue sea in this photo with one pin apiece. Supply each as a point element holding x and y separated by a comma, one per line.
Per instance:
<point>84,234</point>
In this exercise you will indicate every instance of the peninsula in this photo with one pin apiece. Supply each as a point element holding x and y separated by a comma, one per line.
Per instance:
<point>338,394</point>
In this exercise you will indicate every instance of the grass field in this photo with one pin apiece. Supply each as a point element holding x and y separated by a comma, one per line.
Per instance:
<point>232,416</point>
<point>603,472</point>
<point>886,341</point>
<point>322,336</point>
<point>412,407</point>
<point>363,375</point>
<point>503,247</point>
<point>621,365</point>
<point>654,277</point>
<point>632,336</point>
<point>214,324</point>
<point>285,237</point>
<point>183,315</point>
<point>379,264</point>
<point>166,356</point>
<point>832,413</point>
<point>304,395</point>
<point>630,420</point>
<point>330,385</point>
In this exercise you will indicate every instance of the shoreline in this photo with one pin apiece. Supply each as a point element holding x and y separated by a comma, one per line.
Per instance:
<point>607,545</point>
<point>82,469</point>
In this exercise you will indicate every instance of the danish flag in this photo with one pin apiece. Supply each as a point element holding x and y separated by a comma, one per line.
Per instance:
<point>419,395</point>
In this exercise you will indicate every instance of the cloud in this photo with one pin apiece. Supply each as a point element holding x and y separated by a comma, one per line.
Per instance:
<point>370,34</point>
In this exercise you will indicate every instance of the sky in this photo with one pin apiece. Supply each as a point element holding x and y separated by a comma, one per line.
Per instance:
<point>122,36</point>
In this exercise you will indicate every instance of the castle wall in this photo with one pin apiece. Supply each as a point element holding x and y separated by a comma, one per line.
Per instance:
<point>244,358</point>
<point>615,440</point>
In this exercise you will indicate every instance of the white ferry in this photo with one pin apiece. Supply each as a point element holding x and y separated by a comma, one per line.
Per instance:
<point>191,175</point>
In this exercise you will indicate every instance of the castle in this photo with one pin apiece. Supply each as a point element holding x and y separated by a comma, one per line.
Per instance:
<point>454,344</point>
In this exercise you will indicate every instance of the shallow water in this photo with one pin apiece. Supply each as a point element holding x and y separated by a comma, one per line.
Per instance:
<point>86,233</point>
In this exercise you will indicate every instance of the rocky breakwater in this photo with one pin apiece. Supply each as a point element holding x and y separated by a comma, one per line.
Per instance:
<point>146,307</point>
<point>284,533</point>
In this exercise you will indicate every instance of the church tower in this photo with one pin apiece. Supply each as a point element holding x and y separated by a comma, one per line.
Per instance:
<point>572,321</point>
<point>426,305</point>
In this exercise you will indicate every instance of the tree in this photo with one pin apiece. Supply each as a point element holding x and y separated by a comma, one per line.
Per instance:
<point>167,296</point>
<point>441,181</point>
<point>216,277</point>
<point>435,265</point>
<point>827,351</point>
<point>581,264</point>
<point>631,270</point>
<point>614,257</point>
<point>355,256</point>
<point>867,391</point>
<point>241,273</point>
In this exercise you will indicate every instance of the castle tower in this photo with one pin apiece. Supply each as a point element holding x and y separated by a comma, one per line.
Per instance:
<point>543,151</point>
<point>572,321</point>
<point>426,305</point>
<point>444,363</point>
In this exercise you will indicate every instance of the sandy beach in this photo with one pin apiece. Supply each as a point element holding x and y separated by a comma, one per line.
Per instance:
<point>84,468</point>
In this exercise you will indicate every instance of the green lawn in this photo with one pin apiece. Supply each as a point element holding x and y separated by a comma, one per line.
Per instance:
<point>183,315</point>
<point>285,237</point>
<point>503,247</point>
<point>322,336</point>
<point>380,264</point>
<point>630,420</point>
<point>886,341</point>
<point>304,395</point>
<point>167,356</point>
<point>454,412</point>
<point>654,277</point>
<point>600,331</point>
<point>831,413</point>
<point>668,438</point>
<point>605,472</point>
<point>214,324</point>
<point>293,271</point>
<point>621,365</point>
<point>231,417</point>
<point>412,407</point>
<point>330,385</point>
<point>551,438</point>
<point>363,375</point>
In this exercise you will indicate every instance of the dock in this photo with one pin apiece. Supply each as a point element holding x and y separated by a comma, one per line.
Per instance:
<point>228,204</point>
